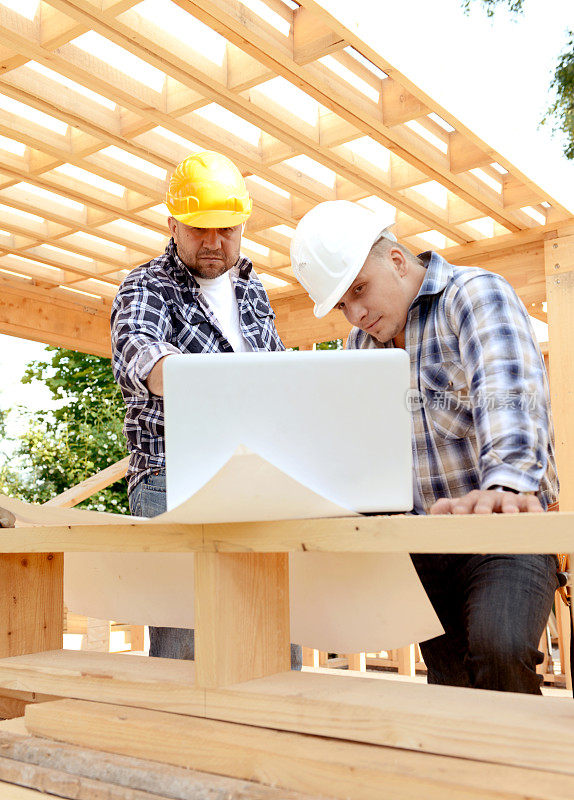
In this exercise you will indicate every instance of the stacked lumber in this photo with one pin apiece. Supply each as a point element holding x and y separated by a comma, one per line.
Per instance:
<point>31,767</point>
<point>293,734</point>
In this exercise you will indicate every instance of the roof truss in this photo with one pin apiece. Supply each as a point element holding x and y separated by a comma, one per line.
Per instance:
<point>100,99</point>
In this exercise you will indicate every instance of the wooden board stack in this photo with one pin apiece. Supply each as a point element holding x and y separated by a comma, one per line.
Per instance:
<point>293,735</point>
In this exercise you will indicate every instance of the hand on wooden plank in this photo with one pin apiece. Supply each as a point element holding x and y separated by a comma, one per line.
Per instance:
<point>488,501</point>
<point>7,519</point>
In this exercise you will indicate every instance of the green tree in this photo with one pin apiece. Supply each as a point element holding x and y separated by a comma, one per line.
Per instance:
<point>83,435</point>
<point>334,344</point>
<point>561,111</point>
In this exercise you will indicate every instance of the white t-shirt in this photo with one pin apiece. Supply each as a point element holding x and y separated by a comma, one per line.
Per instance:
<point>219,294</point>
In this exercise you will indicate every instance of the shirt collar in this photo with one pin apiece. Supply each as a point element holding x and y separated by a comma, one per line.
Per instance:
<point>438,274</point>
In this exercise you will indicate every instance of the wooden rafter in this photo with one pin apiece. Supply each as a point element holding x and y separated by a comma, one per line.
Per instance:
<point>91,167</point>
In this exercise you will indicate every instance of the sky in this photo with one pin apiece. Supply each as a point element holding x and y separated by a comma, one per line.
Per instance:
<point>492,74</point>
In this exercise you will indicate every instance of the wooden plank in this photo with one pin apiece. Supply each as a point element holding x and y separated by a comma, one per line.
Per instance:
<point>466,723</point>
<point>13,702</point>
<point>297,325</point>
<point>36,316</point>
<point>516,193</point>
<point>242,616</point>
<point>95,483</point>
<point>399,105</point>
<point>356,662</point>
<point>559,268</point>
<point>497,533</point>
<point>464,154</point>
<point>293,761</point>
<point>90,775</point>
<point>166,684</point>
<point>31,603</point>
<point>312,39</point>
<point>10,792</point>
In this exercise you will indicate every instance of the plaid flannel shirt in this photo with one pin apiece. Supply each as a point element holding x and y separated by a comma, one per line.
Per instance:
<point>479,397</point>
<point>159,310</point>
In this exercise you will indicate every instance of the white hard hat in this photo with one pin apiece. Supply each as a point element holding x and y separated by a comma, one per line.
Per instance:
<point>329,248</point>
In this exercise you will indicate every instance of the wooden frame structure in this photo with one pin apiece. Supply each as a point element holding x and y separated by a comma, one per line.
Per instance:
<point>237,712</point>
<point>99,99</point>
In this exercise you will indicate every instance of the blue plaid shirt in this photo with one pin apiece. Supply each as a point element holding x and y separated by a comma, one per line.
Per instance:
<point>158,310</point>
<point>479,397</point>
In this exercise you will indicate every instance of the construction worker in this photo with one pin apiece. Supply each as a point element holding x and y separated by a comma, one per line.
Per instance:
<point>7,519</point>
<point>200,296</point>
<point>482,435</point>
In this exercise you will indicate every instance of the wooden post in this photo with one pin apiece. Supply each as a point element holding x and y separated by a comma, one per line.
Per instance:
<point>559,268</point>
<point>97,636</point>
<point>137,637</point>
<point>31,603</point>
<point>309,657</point>
<point>357,661</point>
<point>406,660</point>
<point>241,616</point>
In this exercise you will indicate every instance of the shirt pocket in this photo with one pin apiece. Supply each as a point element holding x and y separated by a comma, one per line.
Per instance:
<point>446,399</point>
<point>261,308</point>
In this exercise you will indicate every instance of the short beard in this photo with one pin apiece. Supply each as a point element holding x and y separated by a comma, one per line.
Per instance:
<point>209,272</point>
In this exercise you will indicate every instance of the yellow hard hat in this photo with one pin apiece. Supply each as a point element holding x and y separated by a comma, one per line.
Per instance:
<point>208,191</point>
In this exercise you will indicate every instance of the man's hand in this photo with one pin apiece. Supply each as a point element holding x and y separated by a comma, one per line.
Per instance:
<point>7,519</point>
<point>488,501</point>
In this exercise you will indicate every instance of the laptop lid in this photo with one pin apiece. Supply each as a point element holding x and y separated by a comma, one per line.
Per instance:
<point>336,421</point>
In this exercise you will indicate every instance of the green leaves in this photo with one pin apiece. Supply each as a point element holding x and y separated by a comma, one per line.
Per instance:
<point>83,435</point>
<point>561,112</point>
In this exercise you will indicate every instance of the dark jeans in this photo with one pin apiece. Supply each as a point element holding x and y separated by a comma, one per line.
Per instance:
<point>493,609</point>
<point>148,499</point>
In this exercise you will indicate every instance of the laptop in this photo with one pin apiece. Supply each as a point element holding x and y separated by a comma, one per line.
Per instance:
<point>336,421</point>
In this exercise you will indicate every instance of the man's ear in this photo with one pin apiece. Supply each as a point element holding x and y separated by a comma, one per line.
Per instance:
<point>399,261</point>
<point>172,225</point>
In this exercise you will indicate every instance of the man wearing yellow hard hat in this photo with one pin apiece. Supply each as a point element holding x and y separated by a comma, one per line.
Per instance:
<point>200,296</point>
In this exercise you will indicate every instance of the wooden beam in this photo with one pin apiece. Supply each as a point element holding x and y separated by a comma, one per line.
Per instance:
<point>516,193</point>
<point>493,727</point>
<point>298,326</point>
<point>32,314</point>
<point>66,771</point>
<point>242,617</point>
<point>498,533</point>
<point>559,264</point>
<point>465,155</point>
<point>312,39</point>
<point>95,483</point>
<point>399,105</point>
<point>31,603</point>
<point>298,762</point>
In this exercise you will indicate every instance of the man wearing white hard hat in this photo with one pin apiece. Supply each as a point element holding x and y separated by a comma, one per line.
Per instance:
<point>482,433</point>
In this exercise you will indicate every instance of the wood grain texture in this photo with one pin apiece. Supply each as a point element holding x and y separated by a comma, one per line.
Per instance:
<point>31,603</point>
<point>490,726</point>
<point>313,764</point>
<point>90,775</point>
<point>242,616</point>
<point>496,533</point>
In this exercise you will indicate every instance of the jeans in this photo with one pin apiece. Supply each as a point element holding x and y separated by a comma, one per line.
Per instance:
<point>148,499</point>
<point>493,609</point>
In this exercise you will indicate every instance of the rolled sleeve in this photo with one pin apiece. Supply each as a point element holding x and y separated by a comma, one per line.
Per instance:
<point>506,380</point>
